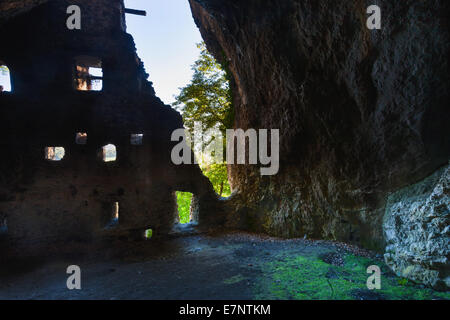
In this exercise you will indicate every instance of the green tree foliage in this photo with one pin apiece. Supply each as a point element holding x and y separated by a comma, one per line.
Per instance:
<point>207,99</point>
<point>218,175</point>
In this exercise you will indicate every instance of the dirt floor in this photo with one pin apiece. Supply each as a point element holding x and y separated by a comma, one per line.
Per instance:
<point>199,266</point>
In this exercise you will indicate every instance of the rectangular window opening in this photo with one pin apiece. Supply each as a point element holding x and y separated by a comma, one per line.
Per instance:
<point>54,153</point>
<point>137,139</point>
<point>81,138</point>
<point>88,74</point>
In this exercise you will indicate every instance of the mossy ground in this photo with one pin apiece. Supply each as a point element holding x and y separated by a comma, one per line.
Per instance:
<point>234,266</point>
<point>309,277</point>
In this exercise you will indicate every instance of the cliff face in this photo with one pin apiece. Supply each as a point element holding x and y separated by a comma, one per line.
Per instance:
<point>417,230</point>
<point>361,112</point>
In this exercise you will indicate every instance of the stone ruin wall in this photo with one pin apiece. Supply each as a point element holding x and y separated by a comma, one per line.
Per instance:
<point>43,201</point>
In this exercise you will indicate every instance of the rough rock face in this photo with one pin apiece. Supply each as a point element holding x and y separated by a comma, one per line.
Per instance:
<point>417,230</point>
<point>361,112</point>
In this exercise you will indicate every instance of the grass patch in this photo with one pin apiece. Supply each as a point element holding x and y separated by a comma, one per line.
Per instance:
<point>308,277</point>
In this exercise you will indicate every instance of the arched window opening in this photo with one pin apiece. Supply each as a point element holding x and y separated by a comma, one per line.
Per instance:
<point>88,74</point>
<point>5,79</point>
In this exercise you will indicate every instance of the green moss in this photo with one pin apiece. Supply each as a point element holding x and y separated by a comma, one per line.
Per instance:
<point>308,277</point>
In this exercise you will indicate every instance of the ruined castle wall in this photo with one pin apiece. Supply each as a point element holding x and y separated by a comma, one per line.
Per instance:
<point>45,201</point>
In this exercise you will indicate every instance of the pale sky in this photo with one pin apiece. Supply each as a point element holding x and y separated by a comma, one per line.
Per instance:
<point>166,41</point>
<point>4,80</point>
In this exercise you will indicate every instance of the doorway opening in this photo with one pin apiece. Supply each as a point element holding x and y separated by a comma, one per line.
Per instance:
<point>184,201</point>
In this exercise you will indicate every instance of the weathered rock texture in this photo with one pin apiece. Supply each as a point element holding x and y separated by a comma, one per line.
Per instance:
<point>11,8</point>
<point>43,201</point>
<point>361,112</point>
<point>417,230</point>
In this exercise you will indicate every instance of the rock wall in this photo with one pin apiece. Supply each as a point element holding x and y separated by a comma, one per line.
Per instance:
<point>11,8</point>
<point>417,230</point>
<point>361,112</point>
